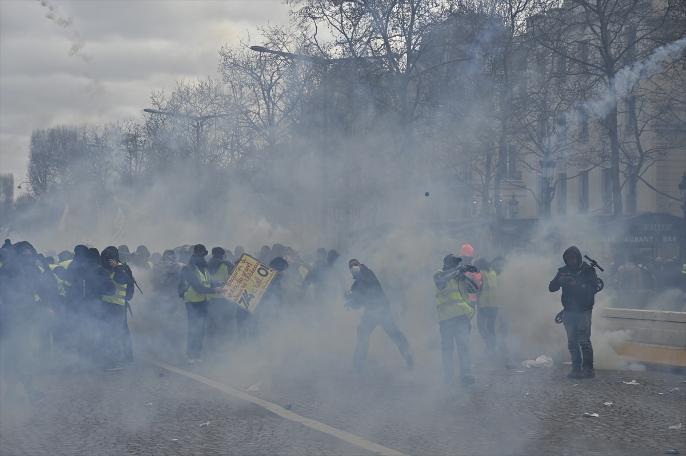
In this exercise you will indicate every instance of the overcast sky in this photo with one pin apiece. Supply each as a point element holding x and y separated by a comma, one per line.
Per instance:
<point>95,61</point>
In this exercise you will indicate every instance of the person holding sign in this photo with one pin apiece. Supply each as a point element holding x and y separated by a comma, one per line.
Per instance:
<point>196,289</point>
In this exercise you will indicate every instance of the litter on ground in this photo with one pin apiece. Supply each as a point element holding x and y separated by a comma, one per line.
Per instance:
<point>541,361</point>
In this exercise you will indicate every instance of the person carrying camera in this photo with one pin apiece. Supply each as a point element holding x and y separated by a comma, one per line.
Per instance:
<point>579,285</point>
<point>455,312</point>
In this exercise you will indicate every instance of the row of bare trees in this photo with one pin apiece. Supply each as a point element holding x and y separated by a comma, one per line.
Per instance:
<point>381,91</point>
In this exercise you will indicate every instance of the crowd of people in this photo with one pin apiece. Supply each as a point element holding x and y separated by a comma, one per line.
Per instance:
<point>79,301</point>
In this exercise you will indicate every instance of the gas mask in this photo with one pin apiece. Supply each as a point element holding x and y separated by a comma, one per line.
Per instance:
<point>355,270</point>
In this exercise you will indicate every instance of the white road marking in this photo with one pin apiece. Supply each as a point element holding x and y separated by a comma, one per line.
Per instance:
<point>283,413</point>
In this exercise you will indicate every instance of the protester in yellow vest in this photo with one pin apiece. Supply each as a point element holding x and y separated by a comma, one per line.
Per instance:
<point>455,312</point>
<point>117,290</point>
<point>487,305</point>
<point>196,290</point>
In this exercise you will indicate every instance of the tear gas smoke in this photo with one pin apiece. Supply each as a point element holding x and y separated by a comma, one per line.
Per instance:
<point>67,23</point>
<point>627,78</point>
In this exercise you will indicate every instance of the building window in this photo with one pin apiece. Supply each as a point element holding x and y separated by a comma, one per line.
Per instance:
<point>583,125</point>
<point>583,191</point>
<point>561,66</point>
<point>512,172</point>
<point>606,185</point>
<point>561,122</point>
<point>631,114</point>
<point>542,126</point>
<point>582,56</point>
<point>562,193</point>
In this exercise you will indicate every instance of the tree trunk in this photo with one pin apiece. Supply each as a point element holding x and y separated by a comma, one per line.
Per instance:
<point>632,194</point>
<point>613,130</point>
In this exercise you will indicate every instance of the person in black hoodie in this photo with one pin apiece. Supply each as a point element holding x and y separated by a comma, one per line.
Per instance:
<point>579,285</point>
<point>366,293</point>
<point>117,284</point>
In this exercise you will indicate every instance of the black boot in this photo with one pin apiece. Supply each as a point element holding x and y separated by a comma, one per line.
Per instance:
<point>575,372</point>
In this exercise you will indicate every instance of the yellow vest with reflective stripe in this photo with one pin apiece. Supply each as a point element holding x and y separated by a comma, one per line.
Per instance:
<point>62,285</point>
<point>487,296</point>
<point>119,296</point>
<point>193,296</point>
<point>220,275</point>
<point>451,302</point>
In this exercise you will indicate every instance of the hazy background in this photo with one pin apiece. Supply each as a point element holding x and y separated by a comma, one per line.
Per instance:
<point>125,49</point>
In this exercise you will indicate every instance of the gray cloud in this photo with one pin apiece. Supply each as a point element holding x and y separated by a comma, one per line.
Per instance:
<point>130,48</point>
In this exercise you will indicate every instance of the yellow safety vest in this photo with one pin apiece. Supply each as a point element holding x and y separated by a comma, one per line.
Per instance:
<point>487,296</point>
<point>452,303</point>
<point>190,295</point>
<point>119,296</point>
<point>36,296</point>
<point>62,285</point>
<point>220,275</point>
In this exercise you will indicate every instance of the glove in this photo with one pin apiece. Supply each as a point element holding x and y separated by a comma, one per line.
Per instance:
<point>558,317</point>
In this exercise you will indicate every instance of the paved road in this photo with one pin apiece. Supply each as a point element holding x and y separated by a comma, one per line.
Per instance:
<point>145,410</point>
<point>538,411</point>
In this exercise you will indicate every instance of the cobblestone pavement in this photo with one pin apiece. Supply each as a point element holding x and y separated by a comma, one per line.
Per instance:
<point>144,410</point>
<point>508,412</point>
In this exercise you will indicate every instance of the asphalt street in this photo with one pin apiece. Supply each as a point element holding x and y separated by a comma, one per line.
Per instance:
<point>147,410</point>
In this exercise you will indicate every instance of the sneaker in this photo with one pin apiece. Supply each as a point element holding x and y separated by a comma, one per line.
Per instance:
<point>113,368</point>
<point>588,373</point>
<point>575,373</point>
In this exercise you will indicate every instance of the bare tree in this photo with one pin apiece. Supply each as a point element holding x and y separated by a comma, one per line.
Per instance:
<point>6,200</point>
<point>267,90</point>
<point>601,37</point>
<point>655,113</point>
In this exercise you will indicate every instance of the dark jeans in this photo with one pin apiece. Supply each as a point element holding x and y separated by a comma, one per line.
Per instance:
<point>369,321</point>
<point>221,322</point>
<point>578,327</point>
<point>113,334</point>
<point>127,343</point>
<point>485,321</point>
<point>197,320</point>
<point>455,332</point>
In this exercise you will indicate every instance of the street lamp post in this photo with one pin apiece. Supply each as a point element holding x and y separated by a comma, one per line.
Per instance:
<point>682,192</point>
<point>513,207</point>
<point>325,63</point>
<point>196,121</point>
<point>548,175</point>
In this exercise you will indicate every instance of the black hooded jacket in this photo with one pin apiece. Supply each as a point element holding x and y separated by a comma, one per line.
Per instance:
<point>578,285</point>
<point>366,290</point>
